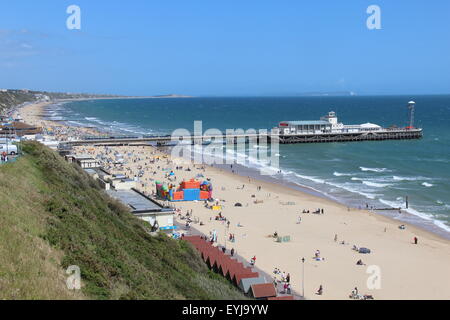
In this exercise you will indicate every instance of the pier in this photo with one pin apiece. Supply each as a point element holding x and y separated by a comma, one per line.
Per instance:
<point>388,134</point>
<point>327,129</point>
<point>167,140</point>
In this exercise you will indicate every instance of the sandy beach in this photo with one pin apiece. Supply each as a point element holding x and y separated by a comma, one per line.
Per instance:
<point>406,270</point>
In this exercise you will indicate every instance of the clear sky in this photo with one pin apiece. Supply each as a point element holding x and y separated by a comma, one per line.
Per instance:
<point>232,47</point>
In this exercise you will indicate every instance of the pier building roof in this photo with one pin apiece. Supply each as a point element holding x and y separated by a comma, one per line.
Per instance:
<point>306,122</point>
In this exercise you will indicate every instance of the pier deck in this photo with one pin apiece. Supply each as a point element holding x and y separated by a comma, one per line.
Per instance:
<point>387,134</point>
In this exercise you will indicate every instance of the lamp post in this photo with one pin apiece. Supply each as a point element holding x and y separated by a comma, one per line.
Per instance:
<point>225,235</point>
<point>303,277</point>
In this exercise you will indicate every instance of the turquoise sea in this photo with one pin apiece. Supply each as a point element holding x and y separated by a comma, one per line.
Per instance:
<point>378,174</point>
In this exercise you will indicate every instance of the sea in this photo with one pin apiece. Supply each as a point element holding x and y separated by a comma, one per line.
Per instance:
<point>374,174</point>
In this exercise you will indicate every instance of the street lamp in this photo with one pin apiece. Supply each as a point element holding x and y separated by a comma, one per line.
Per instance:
<point>225,236</point>
<point>303,277</point>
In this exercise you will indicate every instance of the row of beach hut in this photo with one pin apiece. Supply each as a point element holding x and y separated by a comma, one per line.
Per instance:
<point>248,281</point>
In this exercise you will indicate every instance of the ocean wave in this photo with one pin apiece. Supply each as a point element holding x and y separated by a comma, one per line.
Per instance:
<point>354,189</point>
<point>376,185</point>
<point>422,215</point>
<point>338,174</point>
<point>260,147</point>
<point>361,186</point>
<point>314,179</point>
<point>426,184</point>
<point>374,169</point>
<point>397,178</point>
<point>77,123</point>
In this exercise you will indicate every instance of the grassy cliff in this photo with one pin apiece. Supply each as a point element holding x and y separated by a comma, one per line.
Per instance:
<point>53,215</point>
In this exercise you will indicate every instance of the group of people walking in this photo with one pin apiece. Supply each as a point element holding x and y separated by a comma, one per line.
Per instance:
<point>285,280</point>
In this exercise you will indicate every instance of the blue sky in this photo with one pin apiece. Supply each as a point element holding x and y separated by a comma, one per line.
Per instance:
<point>233,47</point>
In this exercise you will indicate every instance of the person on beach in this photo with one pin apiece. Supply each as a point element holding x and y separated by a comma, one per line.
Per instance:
<point>288,278</point>
<point>253,261</point>
<point>415,240</point>
<point>320,291</point>
<point>335,238</point>
<point>285,288</point>
<point>317,254</point>
<point>360,263</point>
<point>232,252</point>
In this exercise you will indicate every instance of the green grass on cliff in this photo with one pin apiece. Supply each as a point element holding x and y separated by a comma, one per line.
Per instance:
<point>53,215</point>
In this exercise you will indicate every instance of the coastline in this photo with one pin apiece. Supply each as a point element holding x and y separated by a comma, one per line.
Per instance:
<point>355,226</point>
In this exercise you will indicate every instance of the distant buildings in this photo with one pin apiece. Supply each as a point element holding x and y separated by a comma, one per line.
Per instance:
<point>85,162</point>
<point>159,217</point>
<point>119,187</point>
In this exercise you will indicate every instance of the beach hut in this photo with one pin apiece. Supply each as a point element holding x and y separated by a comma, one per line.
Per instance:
<point>234,267</point>
<point>281,298</point>
<point>263,291</point>
<point>243,275</point>
<point>246,283</point>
